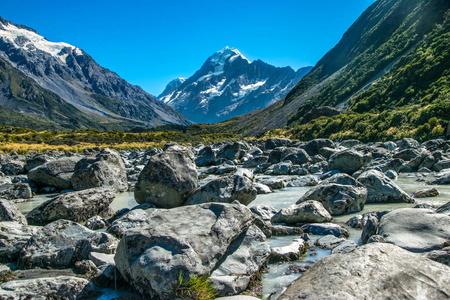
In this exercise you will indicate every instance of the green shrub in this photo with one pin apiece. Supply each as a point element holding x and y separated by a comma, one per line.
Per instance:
<point>196,288</point>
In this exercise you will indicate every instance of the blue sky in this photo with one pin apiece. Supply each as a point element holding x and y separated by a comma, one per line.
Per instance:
<point>149,43</point>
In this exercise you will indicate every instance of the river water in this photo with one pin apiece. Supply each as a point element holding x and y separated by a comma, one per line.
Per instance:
<point>280,275</point>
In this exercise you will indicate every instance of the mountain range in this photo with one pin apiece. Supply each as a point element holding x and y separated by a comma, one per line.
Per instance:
<point>59,86</point>
<point>228,85</point>
<point>387,78</point>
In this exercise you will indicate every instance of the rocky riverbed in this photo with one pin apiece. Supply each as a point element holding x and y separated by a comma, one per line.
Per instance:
<point>266,218</point>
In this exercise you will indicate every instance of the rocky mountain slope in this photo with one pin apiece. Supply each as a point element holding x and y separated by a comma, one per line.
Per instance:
<point>228,85</point>
<point>68,72</point>
<point>388,76</point>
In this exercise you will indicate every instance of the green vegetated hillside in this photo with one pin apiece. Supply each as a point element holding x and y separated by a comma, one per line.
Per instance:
<point>411,99</point>
<point>388,76</point>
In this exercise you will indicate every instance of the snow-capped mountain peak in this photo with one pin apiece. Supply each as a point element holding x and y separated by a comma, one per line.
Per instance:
<point>21,37</point>
<point>227,85</point>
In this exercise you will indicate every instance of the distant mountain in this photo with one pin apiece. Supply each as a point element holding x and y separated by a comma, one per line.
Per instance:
<point>389,77</point>
<point>228,85</point>
<point>67,73</point>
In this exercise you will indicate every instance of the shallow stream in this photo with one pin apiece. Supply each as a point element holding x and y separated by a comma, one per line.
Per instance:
<point>280,275</point>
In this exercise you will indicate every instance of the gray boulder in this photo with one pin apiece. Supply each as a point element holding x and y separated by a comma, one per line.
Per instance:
<point>442,256</point>
<point>255,161</point>
<point>76,206</point>
<point>329,242</point>
<point>290,252</point>
<point>374,271</point>
<point>345,247</point>
<point>62,287</point>
<point>13,167</point>
<point>105,169</point>
<point>325,229</point>
<point>305,212</point>
<point>62,243</point>
<point>56,173</point>
<point>336,198</point>
<point>407,143</point>
<point>313,147</point>
<point>168,179</point>
<point>232,151</point>
<point>265,212</point>
<point>426,193</point>
<point>441,165</point>
<point>348,161</point>
<point>225,189</point>
<point>205,157</point>
<point>18,190</point>
<point>297,156</point>
<point>273,143</point>
<point>443,177</point>
<point>281,168</point>
<point>13,238</point>
<point>191,240</point>
<point>10,212</point>
<point>242,263</point>
<point>415,229</point>
<point>382,189</point>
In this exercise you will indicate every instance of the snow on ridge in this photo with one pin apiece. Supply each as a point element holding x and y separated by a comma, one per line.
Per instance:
<point>246,89</point>
<point>12,33</point>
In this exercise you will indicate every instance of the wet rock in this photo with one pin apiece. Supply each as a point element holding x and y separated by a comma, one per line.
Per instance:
<point>190,238</point>
<point>10,212</point>
<point>76,206</point>
<point>168,179</point>
<point>426,193</point>
<point>262,188</point>
<point>337,199</point>
<point>325,229</point>
<point>62,243</point>
<point>105,169</point>
<point>372,272</point>
<point>55,173</point>
<point>382,189</point>
<point>243,261</point>
<point>13,237</point>
<point>443,177</point>
<point>62,287</point>
<point>348,161</point>
<point>225,190</point>
<point>442,256</point>
<point>305,212</point>
<point>415,229</point>
<point>290,252</point>
<point>273,182</point>
<point>329,242</point>
<point>391,174</point>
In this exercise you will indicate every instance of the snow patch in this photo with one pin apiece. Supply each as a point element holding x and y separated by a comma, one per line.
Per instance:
<point>10,32</point>
<point>246,89</point>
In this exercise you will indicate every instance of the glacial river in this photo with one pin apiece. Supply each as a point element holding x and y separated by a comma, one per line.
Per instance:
<point>280,275</point>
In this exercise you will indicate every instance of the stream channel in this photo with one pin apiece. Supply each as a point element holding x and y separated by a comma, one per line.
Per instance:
<point>279,275</point>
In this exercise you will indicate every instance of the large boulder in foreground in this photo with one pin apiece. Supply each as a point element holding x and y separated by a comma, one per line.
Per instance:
<point>105,169</point>
<point>415,229</point>
<point>62,243</point>
<point>337,199</point>
<point>381,189</point>
<point>374,271</point>
<point>189,239</point>
<point>56,173</point>
<point>310,211</point>
<point>348,161</point>
<point>168,179</point>
<point>225,189</point>
<point>62,287</point>
<point>76,206</point>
